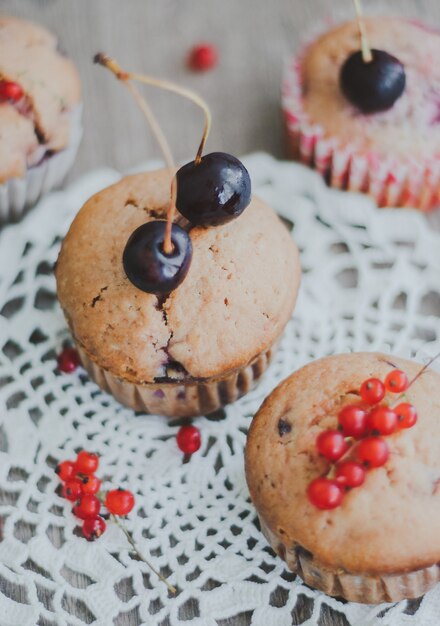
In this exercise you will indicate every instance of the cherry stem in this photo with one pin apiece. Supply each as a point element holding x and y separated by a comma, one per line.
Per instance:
<point>365,46</point>
<point>133,544</point>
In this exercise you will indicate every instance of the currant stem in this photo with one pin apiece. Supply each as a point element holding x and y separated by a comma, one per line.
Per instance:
<point>365,46</point>
<point>417,376</point>
<point>133,544</point>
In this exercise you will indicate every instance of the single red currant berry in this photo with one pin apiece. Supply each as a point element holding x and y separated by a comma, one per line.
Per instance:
<point>86,462</point>
<point>406,415</point>
<point>382,421</point>
<point>396,381</point>
<point>93,528</point>
<point>331,444</point>
<point>203,57</point>
<point>353,420</point>
<point>325,493</point>
<point>350,474</point>
<point>10,91</point>
<point>88,506</point>
<point>68,360</point>
<point>372,391</point>
<point>119,501</point>
<point>372,452</point>
<point>65,470</point>
<point>188,439</point>
<point>71,490</point>
<point>90,484</point>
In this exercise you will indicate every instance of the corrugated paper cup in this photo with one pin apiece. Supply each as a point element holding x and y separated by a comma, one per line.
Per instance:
<point>19,194</point>
<point>406,183</point>
<point>183,398</point>
<point>353,587</point>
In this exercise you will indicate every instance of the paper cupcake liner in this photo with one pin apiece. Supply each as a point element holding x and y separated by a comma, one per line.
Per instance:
<point>182,398</point>
<point>19,194</point>
<point>353,587</point>
<point>391,182</point>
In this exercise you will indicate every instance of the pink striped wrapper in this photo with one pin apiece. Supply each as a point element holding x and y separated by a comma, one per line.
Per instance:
<point>403,183</point>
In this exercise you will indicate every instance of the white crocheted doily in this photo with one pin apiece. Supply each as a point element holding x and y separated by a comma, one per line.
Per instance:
<point>371,280</point>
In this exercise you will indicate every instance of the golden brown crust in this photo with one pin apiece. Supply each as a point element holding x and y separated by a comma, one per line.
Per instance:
<point>232,306</point>
<point>389,525</point>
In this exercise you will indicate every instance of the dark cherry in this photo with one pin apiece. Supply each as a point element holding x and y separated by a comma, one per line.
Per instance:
<point>375,86</point>
<point>214,191</point>
<point>146,264</point>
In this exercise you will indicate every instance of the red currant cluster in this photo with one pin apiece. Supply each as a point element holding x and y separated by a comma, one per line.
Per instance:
<point>80,485</point>
<point>358,444</point>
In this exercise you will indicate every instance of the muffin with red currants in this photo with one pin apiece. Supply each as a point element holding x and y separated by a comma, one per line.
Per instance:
<point>343,467</point>
<point>177,299</point>
<point>40,115</point>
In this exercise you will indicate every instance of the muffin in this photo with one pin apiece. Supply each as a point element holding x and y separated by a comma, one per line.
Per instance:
<point>40,115</point>
<point>381,540</point>
<point>204,344</point>
<point>393,153</point>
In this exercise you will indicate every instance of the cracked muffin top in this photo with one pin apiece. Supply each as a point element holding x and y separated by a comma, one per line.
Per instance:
<point>233,304</point>
<point>39,122</point>
<point>392,522</point>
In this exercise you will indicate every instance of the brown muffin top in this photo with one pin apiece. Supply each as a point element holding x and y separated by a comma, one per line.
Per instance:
<point>42,120</point>
<point>389,524</point>
<point>234,303</point>
<point>411,127</point>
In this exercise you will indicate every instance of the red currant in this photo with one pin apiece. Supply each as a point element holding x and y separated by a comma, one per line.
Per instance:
<point>382,421</point>
<point>406,415</point>
<point>86,462</point>
<point>396,381</point>
<point>65,470</point>
<point>331,444</point>
<point>353,420</point>
<point>372,391</point>
<point>93,528</point>
<point>68,360</point>
<point>71,490</point>
<point>372,452</point>
<point>325,493</point>
<point>88,507</point>
<point>90,484</point>
<point>203,57</point>
<point>188,439</point>
<point>10,91</point>
<point>119,501</point>
<point>350,474</point>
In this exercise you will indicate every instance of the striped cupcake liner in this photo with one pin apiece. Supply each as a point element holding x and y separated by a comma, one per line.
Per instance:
<point>406,183</point>
<point>19,194</point>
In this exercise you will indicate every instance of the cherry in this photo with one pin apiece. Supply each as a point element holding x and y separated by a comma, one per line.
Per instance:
<point>350,474</point>
<point>382,421</point>
<point>331,444</point>
<point>325,493</point>
<point>214,191</point>
<point>119,501</point>
<point>406,415</point>
<point>65,470</point>
<point>86,462</point>
<point>203,57</point>
<point>372,391</point>
<point>353,420</point>
<point>374,86</point>
<point>93,528</point>
<point>396,381</point>
<point>10,91</point>
<point>71,490</point>
<point>372,452</point>
<point>68,360</point>
<point>90,484</point>
<point>188,439</point>
<point>146,263</point>
<point>88,507</point>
